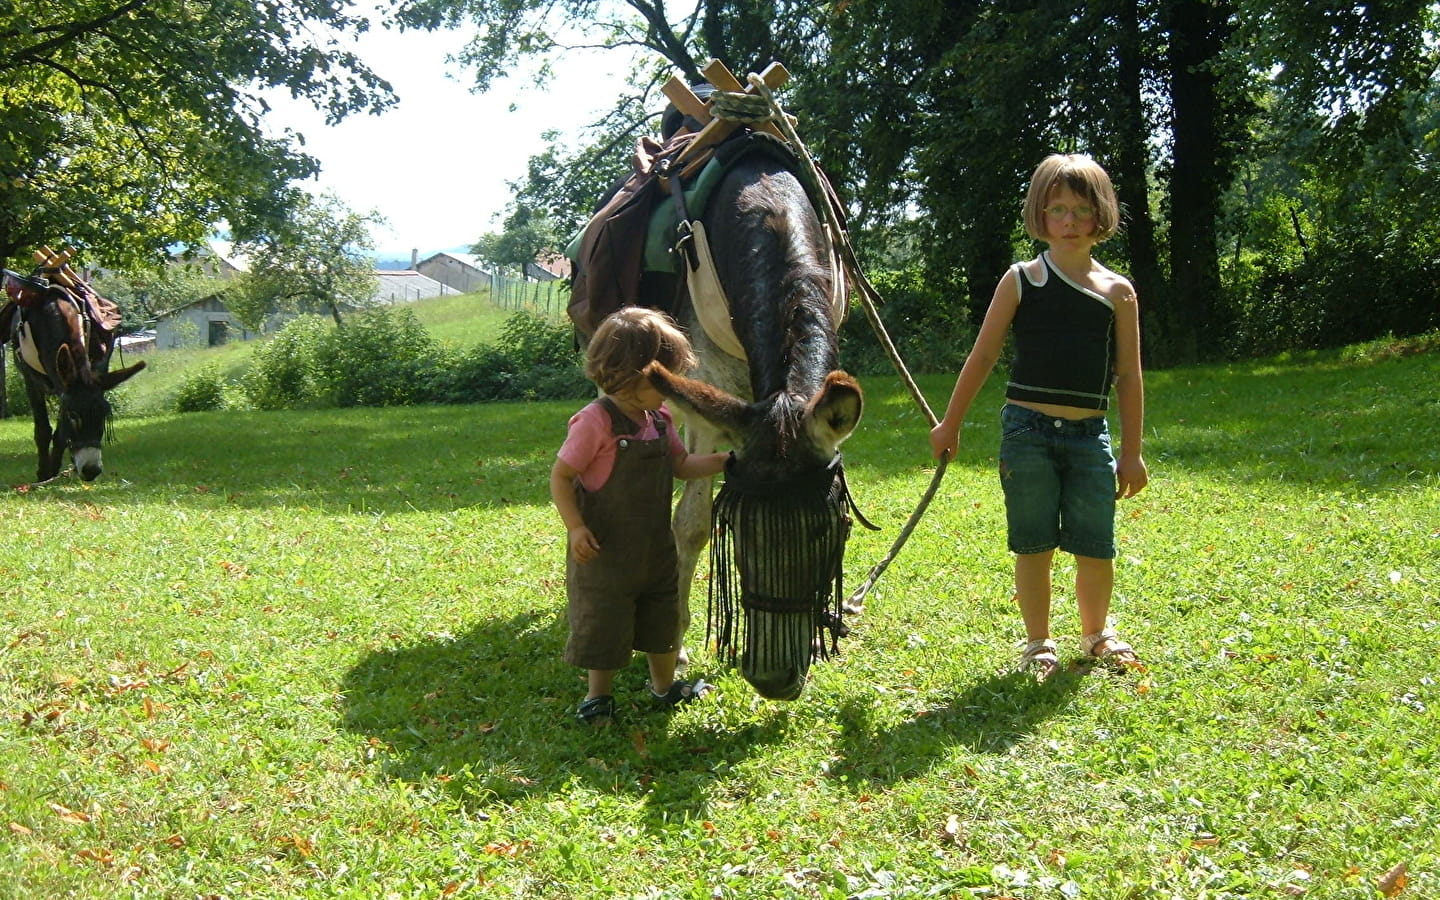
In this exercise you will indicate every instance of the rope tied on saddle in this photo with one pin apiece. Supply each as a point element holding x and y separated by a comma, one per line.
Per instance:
<point>737,106</point>
<point>791,535</point>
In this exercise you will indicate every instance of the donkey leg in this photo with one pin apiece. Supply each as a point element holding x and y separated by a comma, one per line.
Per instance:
<point>692,531</point>
<point>49,450</point>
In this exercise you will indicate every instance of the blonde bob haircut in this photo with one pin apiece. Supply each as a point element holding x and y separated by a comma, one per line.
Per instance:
<point>1080,174</point>
<point>629,340</point>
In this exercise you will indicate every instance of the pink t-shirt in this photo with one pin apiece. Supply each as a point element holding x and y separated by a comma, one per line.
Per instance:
<point>589,446</point>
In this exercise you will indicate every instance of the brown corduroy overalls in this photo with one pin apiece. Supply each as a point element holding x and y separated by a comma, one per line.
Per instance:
<point>626,599</point>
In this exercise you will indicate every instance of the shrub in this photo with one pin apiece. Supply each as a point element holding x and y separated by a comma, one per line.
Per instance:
<point>533,360</point>
<point>284,373</point>
<point>926,322</point>
<point>201,391</point>
<point>377,358</point>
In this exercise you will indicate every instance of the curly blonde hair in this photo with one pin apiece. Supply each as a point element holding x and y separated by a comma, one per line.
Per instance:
<point>1080,174</point>
<point>629,340</point>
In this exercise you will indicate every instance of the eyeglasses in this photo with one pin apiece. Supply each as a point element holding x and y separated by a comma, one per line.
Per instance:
<point>1082,212</point>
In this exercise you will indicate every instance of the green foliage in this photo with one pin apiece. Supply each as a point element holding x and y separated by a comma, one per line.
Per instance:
<point>527,233</point>
<point>386,357</point>
<point>532,360</point>
<point>285,372</point>
<point>316,262</point>
<point>930,117</point>
<point>202,390</point>
<point>318,654</point>
<point>17,400</point>
<point>377,358</point>
<point>916,313</point>
<point>132,127</point>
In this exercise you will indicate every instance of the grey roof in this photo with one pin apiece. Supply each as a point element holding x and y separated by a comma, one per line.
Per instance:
<point>400,285</point>
<point>468,259</point>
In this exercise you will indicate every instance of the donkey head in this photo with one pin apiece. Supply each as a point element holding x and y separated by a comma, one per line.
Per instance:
<point>781,521</point>
<point>84,409</point>
<point>778,435</point>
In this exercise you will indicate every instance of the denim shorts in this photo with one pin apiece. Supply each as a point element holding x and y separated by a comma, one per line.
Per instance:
<point>1059,481</point>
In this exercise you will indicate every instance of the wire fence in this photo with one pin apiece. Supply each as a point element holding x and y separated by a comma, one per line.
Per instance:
<point>547,299</point>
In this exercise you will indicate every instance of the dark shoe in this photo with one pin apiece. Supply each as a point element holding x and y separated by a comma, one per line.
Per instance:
<point>596,711</point>
<point>681,692</point>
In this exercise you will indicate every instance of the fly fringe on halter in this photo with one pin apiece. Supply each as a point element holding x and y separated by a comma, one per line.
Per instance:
<point>868,298</point>
<point>805,527</point>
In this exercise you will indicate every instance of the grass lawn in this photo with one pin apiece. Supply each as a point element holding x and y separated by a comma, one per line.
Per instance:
<point>318,655</point>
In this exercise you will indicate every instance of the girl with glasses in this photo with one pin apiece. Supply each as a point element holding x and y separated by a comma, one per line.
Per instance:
<point>1076,330</point>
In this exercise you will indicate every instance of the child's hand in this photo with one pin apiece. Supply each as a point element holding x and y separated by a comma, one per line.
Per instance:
<point>583,545</point>
<point>1131,476</point>
<point>943,440</point>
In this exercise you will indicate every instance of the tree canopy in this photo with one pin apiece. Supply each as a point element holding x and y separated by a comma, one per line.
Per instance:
<point>1238,132</point>
<point>130,126</point>
<point>319,263</point>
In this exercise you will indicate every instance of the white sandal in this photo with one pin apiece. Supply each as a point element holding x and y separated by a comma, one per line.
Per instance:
<point>1039,659</point>
<point>1117,652</point>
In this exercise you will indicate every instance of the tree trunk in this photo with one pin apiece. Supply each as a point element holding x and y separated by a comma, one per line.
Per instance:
<point>1132,173</point>
<point>1200,171</point>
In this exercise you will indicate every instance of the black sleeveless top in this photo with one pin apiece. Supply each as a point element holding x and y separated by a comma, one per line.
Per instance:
<point>1064,342</point>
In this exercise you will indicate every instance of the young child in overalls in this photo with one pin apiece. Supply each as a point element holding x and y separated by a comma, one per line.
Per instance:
<point>612,485</point>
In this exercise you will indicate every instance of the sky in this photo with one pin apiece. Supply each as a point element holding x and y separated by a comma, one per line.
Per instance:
<point>436,165</point>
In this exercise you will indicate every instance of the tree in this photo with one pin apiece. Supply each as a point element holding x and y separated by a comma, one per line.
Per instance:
<point>129,126</point>
<point>563,185</point>
<point>930,114</point>
<point>527,233</point>
<point>316,263</point>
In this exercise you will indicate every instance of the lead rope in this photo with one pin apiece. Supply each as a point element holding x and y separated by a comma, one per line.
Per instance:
<point>868,297</point>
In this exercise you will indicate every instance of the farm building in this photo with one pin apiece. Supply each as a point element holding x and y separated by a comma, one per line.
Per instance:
<point>460,271</point>
<point>204,323</point>
<point>400,285</point>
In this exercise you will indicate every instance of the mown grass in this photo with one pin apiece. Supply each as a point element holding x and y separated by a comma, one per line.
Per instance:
<point>318,655</point>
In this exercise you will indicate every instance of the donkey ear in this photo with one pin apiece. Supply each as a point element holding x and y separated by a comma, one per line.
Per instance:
<point>110,379</point>
<point>65,365</point>
<point>706,401</point>
<point>835,410</point>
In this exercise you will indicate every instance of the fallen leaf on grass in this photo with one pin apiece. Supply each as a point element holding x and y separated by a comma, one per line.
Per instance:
<point>73,816</point>
<point>302,846</point>
<point>102,856</point>
<point>1394,881</point>
<point>507,848</point>
<point>20,829</point>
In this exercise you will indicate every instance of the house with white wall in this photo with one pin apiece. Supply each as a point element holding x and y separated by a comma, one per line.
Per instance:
<point>461,271</point>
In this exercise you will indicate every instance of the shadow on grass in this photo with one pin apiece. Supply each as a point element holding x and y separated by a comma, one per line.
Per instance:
<point>489,717</point>
<point>989,717</point>
<point>1350,424</point>
<point>375,461</point>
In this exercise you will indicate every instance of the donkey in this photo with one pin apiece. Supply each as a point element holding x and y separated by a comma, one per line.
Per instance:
<point>62,353</point>
<point>784,409</point>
